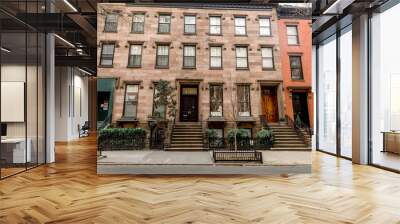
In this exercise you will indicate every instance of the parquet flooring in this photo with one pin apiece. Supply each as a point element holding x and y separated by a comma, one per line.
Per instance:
<point>70,191</point>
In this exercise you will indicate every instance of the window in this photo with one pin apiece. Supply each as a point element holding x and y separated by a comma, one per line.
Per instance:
<point>215,25</point>
<point>243,95</point>
<point>216,104</point>
<point>164,24</point>
<point>190,24</point>
<point>111,23</point>
<point>296,68</point>
<point>131,100</point>
<point>240,25</point>
<point>138,23</point>
<point>158,110</point>
<point>292,35</point>
<point>135,55</point>
<point>241,58</point>
<point>215,57</point>
<point>265,27</point>
<point>107,54</point>
<point>162,56</point>
<point>267,58</point>
<point>189,56</point>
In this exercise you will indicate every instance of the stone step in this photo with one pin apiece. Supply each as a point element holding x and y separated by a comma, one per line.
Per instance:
<point>195,141</point>
<point>290,149</point>
<point>185,149</point>
<point>175,144</point>
<point>289,141</point>
<point>188,128</point>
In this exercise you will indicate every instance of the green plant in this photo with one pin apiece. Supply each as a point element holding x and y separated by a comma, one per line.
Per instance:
<point>211,133</point>
<point>265,137</point>
<point>121,137</point>
<point>164,96</point>
<point>240,134</point>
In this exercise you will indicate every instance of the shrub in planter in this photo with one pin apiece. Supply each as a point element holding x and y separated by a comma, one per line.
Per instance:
<point>211,133</point>
<point>121,138</point>
<point>240,135</point>
<point>265,137</point>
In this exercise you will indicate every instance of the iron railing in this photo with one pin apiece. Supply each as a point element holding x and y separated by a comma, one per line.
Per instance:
<point>241,144</point>
<point>301,129</point>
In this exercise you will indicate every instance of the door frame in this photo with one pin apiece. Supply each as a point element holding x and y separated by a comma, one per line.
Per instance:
<point>306,105</point>
<point>183,85</point>
<point>276,87</point>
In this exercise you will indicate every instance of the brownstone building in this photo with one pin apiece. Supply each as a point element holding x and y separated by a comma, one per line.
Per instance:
<point>226,54</point>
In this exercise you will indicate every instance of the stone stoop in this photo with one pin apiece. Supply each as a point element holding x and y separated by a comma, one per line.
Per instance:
<point>187,137</point>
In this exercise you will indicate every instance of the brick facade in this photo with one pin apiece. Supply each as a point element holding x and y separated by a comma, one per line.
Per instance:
<point>304,50</point>
<point>202,75</point>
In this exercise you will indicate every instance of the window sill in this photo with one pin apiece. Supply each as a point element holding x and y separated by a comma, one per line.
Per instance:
<point>265,35</point>
<point>132,66</point>
<point>216,68</point>
<point>190,34</point>
<point>210,34</point>
<point>160,33</point>
<point>162,67</point>
<point>240,35</point>
<point>105,31</point>
<point>268,69</point>
<point>106,66</point>
<point>137,32</point>
<point>243,69</point>
<point>298,80</point>
<point>189,68</point>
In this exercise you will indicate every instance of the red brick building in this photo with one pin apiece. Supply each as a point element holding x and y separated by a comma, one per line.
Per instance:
<point>296,48</point>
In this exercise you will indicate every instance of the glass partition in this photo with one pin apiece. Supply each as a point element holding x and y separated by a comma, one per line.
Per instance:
<point>385,90</point>
<point>327,95</point>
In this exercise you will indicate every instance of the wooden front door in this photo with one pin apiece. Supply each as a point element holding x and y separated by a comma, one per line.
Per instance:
<point>269,103</point>
<point>189,104</point>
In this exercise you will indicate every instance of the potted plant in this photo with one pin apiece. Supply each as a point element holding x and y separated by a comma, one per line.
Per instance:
<point>265,138</point>
<point>282,121</point>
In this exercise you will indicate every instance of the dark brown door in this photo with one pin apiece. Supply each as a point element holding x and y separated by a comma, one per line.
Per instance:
<point>189,104</point>
<point>269,104</point>
<point>300,107</point>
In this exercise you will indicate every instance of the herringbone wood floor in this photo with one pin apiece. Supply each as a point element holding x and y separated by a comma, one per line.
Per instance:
<point>69,191</point>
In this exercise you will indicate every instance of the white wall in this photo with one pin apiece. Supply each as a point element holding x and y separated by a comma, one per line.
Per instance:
<point>71,102</point>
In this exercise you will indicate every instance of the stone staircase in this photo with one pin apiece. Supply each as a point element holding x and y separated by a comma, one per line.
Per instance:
<point>287,139</point>
<point>186,137</point>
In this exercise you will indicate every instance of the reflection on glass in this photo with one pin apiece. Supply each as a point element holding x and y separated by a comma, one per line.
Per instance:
<point>327,95</point>
<point>346,93</point>
<point>385,84</point>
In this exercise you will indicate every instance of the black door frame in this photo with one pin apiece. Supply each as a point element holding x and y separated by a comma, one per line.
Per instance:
<point>181,102</point>
<point>304,104</point>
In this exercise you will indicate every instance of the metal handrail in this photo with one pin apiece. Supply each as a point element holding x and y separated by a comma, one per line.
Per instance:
<point>300,129</point>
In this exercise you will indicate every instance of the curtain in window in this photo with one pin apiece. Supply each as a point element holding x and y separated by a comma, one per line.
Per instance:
<point>215,25</point>
<point>135,55</point>
<point>138,23</point>
<point>190,24</point>
<point>111,23</point>
<point>189,53</point>
<point>164,24</point>
<point>107,54</point>
<point>241,57</point>
<point>162,55</point>
<point>292,34</point>
<point>265,27</point>
<point>216,57</point>
<point>240,26</point>
<point>267,61</point>
<point>216,95</point>
<point>131,100</point>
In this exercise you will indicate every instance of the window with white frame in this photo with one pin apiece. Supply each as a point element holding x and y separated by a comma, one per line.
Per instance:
<point>292,34</point>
